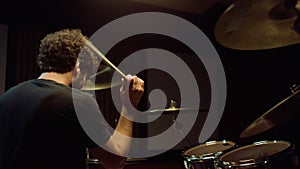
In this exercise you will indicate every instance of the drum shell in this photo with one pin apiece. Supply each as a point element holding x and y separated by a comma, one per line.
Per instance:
<point>203,156</point>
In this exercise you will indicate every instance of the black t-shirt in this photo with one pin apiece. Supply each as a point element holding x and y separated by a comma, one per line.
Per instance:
<point>39,128</point>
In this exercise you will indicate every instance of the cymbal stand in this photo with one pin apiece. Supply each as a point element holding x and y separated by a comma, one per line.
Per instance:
<point>177,125</point>
<point>291,4</point>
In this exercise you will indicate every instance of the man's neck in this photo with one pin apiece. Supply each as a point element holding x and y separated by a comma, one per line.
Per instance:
<point>62,78</point>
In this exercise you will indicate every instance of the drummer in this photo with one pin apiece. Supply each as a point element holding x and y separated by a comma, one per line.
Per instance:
<point>39,128</point>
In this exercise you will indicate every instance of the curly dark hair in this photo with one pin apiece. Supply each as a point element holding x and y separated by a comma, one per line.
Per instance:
<point>59,51</point>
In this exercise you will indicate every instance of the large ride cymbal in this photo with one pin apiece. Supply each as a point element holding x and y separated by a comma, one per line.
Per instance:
<point>282,112</point>
<point>257,25</point>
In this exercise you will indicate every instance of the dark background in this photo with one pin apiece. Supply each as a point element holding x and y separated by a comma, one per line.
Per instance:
<point>256,79</point>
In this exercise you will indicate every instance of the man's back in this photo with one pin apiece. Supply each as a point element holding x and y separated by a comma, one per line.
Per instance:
<point>39,128</point>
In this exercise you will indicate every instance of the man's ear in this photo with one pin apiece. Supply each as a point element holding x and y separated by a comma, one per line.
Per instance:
<point>77,68</point>
<point>80,72</point>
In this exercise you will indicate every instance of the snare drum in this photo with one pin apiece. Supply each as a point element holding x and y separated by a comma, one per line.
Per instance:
<point>260,155</point>
<point>203,156</point>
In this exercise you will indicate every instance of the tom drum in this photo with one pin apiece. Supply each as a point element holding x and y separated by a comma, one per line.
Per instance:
<point>260,155</point>
<point>204,155</point>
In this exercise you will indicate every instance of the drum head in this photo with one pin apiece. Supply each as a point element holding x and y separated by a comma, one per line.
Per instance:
<point>254,153</point>
<point>209,148</point>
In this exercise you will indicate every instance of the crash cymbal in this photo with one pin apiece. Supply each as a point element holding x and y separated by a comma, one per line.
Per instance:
<point>101,80</point>
<point>257,25</point>
<point>282,112</point>
<point>89,85</point>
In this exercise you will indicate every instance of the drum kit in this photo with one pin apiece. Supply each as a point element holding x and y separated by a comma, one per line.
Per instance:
<point>266,154</point>
<point>228,155</point>
<point>255,25</point>
<point>251,25</point>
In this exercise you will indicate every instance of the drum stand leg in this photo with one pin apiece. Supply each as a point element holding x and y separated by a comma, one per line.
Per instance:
<point>178,126</point>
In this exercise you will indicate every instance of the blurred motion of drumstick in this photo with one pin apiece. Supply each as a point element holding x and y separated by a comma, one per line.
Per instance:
<point>89,44</point>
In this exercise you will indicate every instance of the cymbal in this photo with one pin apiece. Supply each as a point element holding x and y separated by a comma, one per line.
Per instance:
<point>283,111</point>
<point>102,79</point>
<point>175,109</point>
<point>257,25</point>
<point>89,85</point>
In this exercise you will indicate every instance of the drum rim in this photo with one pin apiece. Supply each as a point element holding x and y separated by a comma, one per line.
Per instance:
<point>255,162</point>
<point>207,156</point>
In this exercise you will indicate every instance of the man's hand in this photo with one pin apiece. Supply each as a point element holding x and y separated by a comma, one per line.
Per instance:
<point>134,91</point>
